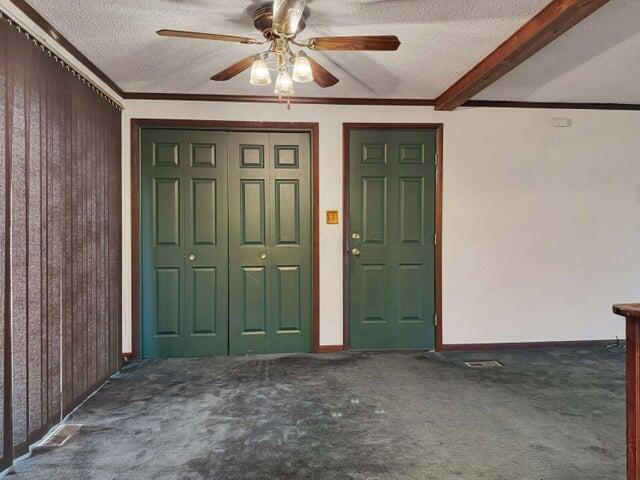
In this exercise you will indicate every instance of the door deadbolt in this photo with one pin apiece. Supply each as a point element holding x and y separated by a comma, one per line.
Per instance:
<point>355,252</point>
<point>263,256</point>
<point>192,257</point>
<point>355,236</point>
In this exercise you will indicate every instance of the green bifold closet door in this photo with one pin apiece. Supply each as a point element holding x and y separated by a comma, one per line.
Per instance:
<point>391,239</point>
<point>225,242</point>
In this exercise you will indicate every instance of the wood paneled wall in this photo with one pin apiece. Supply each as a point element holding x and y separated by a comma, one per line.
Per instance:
<point>60,220</point>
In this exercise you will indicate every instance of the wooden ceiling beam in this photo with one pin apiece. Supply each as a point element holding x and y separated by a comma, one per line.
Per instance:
<point>551,22</point>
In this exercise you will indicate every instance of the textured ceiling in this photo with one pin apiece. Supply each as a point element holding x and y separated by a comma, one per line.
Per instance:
<point>441,40</point>
<point>596,61</point>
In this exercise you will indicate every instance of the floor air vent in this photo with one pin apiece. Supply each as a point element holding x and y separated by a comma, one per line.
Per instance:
<point>483,364</point>
<point>58,437</point>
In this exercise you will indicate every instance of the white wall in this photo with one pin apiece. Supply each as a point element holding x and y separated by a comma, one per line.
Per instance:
<point>541,228</point>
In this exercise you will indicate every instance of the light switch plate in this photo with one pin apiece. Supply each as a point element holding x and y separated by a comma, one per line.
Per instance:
<point>332,217</point>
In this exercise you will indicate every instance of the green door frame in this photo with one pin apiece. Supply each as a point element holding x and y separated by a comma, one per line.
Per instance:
<point>346,174</point>
<point>136,125</point>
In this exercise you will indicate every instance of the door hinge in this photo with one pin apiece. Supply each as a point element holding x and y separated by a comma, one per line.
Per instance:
<point>435,239</point>
<point>435,319</point>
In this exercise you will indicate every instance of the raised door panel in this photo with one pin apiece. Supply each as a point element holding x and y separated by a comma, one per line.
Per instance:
<point>167,298</point>
<point>411,296</point>
<point>374,210</point>
<point>203,211</point>
<point>252,212</point>
<point>288,299</point>
<point>252,156</point>
<point>165,154</point>
<point>412,153</point>
<point>287,212</point>
<point>411,210</point>
<point>372,295</point>
<point>374,153</point>
<point>203,155</point>
<point>286,156</point>
<point>205,295</point>
<point>166,208</point>
<point>254,300</point>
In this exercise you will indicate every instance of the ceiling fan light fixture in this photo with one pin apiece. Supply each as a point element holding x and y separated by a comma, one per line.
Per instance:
<point>302,72</point>
<point>259,72</point>
<point>284,84</point>
<point>280,22</point>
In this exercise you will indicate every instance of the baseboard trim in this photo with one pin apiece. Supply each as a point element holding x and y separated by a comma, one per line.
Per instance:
<point>330,348</point>
<point>5,463</point>
<point>82,398</point>
<point>470,347</point>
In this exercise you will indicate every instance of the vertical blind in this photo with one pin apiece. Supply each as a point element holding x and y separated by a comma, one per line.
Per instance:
<point>60,219</point>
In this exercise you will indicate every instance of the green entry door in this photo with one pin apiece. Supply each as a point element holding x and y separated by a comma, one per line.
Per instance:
<point>391,242</point>
<point>270,242</point>
<point>184,243</point>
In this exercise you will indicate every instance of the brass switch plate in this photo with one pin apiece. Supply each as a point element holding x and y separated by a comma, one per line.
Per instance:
<point>332,217</point>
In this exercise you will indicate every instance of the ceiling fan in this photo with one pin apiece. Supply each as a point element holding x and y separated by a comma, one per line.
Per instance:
<point>280,22</point>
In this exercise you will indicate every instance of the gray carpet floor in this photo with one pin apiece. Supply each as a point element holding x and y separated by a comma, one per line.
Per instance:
<point>545,415</point>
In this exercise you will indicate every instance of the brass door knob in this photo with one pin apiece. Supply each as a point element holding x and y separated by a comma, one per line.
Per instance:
<point>355,236</point>
<point>263,256</point>
<point>192,257</point>
<point>355,252</point>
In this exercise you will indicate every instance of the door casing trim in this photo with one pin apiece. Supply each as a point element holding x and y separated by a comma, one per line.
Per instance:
<point>138,123</point>
<point>346,173</point>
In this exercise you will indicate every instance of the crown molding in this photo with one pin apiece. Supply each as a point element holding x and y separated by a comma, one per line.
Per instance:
<point>399,102</point>
<point>195,97</point>
<point>551,105</point>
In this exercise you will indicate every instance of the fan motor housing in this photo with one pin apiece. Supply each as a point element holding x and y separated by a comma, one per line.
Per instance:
<point>263,19</point>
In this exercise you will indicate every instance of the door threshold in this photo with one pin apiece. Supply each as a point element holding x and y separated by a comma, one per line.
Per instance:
<point>392,350</point>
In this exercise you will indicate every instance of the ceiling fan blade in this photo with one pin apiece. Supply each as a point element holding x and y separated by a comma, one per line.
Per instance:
<point>376,42</point>
<point>287,15</point>
<point>321,75</point>
<point>206,36</point>
<point>233,70</point>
